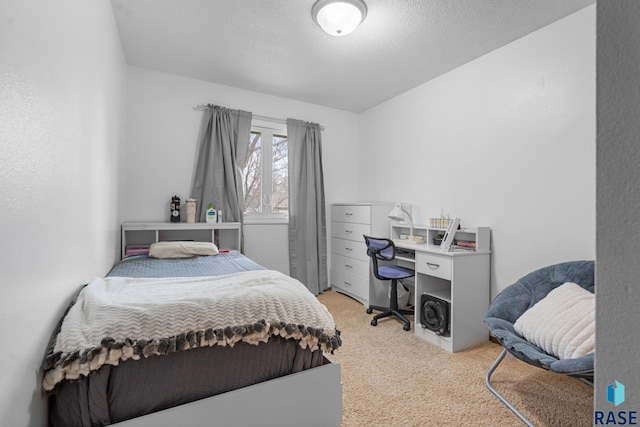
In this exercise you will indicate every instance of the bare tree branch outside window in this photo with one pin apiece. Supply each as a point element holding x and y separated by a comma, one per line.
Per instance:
<point>252,175</point>
<point>280,180</point>
<point>255,182</point>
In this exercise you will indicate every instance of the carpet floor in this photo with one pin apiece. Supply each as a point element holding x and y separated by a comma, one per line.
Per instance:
<point>390,377</point>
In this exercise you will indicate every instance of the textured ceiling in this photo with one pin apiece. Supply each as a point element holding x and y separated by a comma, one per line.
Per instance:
<point>274,47</point>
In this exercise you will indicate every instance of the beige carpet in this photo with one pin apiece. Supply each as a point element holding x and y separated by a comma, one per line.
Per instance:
<point>390,377</point>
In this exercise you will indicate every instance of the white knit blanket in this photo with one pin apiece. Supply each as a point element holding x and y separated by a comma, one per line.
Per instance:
<point>118,318</point>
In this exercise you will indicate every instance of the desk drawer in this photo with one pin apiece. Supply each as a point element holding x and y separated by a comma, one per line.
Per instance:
<point>351,213</point>
<point>350,248</point>
<point>350,231</point>
<point>434,265</point>
<point>353,266</point>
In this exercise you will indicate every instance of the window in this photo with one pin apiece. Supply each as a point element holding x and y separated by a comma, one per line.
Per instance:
<point>265,174</point>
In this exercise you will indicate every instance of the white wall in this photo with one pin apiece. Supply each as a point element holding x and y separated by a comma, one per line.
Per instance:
<point>506,141</point>
<point>618,235</point>
<point>162,136</point>
<point>518,126</point>
<point>268,245</point>
<point>62,82</point>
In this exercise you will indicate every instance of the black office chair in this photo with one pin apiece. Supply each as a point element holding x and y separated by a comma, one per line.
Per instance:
<point>384,249</point>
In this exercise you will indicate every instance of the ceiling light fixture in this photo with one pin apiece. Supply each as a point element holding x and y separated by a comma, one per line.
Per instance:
<point>339,17</point>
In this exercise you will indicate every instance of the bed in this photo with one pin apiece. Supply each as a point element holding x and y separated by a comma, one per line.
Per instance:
<point>209,340</point>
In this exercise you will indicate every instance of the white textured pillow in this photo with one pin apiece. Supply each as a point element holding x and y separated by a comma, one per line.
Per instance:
<point>563,323</point>
<point>181,249</point>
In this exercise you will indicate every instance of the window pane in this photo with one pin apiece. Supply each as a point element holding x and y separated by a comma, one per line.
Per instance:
<point>280,176</point>
<point>252,175</point>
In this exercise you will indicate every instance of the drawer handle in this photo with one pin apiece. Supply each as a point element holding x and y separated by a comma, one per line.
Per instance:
<point>348,231</point>
<point>346,283</point>
<point>348,214</point>
<point>348,249</point>
<point>430,264</point>
<point>348,266</point>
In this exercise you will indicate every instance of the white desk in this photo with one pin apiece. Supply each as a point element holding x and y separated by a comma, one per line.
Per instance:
<point>462,279</point>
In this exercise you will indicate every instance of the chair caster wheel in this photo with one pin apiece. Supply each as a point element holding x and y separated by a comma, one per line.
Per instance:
<point>374,322</point>
<point>406,327</point>
<point>369,310</point>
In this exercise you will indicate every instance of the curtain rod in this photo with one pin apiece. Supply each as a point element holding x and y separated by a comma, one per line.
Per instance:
<point>256,116</point>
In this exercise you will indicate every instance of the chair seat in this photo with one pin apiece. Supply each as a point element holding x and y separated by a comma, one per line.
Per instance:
<point>514,300</point>
<point>395,272</point>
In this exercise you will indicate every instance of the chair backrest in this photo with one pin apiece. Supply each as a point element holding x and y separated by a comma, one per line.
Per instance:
<point>518,297</point>
<point>379,248</point>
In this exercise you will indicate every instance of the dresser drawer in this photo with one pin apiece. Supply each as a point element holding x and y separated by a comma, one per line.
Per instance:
<point>350,248</point>
<point>353,266</point>
<point>350,231</point>
<point>351,213</point>
<point>434,265</point>
<point>350,284</point>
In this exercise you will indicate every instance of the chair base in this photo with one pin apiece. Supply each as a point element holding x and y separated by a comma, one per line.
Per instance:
<point>389,312</point>
<point>500,396</point>
<point>584,376</point>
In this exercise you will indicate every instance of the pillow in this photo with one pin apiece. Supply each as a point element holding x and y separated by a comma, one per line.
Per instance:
<point>181,249</point>
<point>563,323</point>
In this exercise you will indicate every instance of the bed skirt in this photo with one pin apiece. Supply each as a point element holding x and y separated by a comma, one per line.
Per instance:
<point>134,388</point>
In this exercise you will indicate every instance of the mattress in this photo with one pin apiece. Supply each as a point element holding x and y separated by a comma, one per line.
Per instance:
<point>132,388</point>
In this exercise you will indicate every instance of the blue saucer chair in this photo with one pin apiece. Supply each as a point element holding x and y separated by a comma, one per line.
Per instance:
<point>514,300</point>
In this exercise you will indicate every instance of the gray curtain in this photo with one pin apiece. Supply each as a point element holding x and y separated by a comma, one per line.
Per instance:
<point>307,220</point>
<point>223,143</point>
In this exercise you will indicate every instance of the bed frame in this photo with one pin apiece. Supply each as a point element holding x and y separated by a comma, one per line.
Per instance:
<point>309,398</point>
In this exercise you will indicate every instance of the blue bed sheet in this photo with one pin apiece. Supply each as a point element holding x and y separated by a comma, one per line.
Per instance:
<point>216,265</point>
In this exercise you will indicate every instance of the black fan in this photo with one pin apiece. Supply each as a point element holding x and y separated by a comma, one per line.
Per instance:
<point>434,314</point>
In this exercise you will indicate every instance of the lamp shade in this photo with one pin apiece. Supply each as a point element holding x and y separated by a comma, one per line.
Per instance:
<point>400,214</point>
<point>339,17</point>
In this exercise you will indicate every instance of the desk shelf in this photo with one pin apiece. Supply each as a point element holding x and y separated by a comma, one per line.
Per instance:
<point>480,236</point>
<point>406,255</point>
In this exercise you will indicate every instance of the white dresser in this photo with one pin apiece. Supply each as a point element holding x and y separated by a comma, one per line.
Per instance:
<point>350,271</point>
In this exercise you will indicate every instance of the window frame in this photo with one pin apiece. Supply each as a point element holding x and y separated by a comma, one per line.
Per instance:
<point>268,130</point>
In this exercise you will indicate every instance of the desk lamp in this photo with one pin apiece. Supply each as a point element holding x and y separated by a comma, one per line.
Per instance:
<point>399,214</point>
